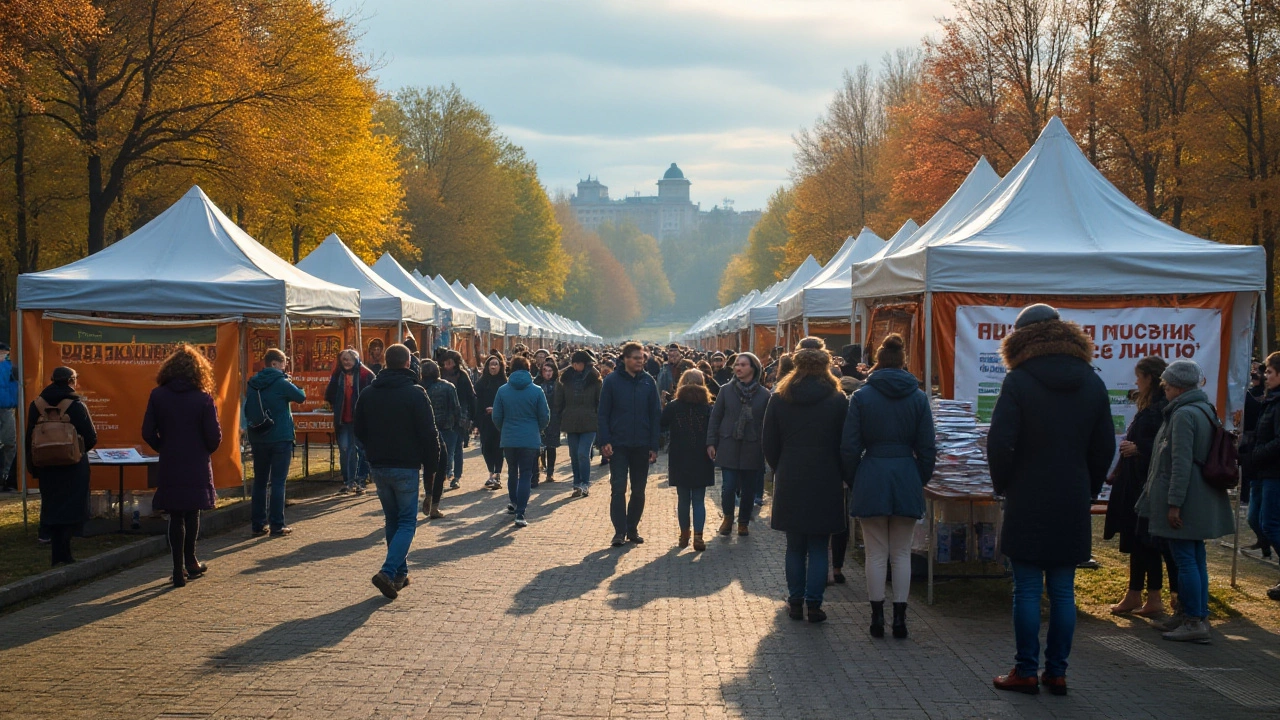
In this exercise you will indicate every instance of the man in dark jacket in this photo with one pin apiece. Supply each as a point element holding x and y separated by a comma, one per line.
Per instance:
<point>444,403</point>
<point>345,385</point>
<point>1052,440</point>
<point>629,421</point>
<point>395,422</point>
<point>269,396</point>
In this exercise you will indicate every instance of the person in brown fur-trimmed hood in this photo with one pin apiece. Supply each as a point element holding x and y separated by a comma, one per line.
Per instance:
<point>1051,442</point>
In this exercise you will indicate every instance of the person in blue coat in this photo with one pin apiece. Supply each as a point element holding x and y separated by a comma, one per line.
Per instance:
<point>520,412</point>
<point>630,417</point>
<point>269,394</point>
<point>890,447</point>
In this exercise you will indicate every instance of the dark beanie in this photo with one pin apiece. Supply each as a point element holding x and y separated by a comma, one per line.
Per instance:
<point>63,375</point>
<point>1033,314</point>
<point>580,356</point>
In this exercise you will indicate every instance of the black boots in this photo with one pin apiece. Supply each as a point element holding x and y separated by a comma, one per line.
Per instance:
<point>899,620</point>
<point>877,619</point>
<point>816,613</point>
<point>795,609</point>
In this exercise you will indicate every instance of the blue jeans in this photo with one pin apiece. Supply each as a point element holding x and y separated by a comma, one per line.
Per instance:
<point>398,493</point>
<point>270,466</point>
<point>1266,495</point>
<point>749,483</point>
<point>1193,576</point>
<point>451,443</point>
<point>355,468</point>
<point>1254,515</point>
<point>455,455</point>
<point>1029,583</point>
<point>521,464</point>
<point>806,566</point>
<point>580,458</point>
<point>695,497</point>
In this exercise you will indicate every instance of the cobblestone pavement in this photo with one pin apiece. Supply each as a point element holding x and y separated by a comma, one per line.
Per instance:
<point>550,622</point>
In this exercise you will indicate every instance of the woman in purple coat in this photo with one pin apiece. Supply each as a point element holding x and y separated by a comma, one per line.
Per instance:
<point>182,425</point>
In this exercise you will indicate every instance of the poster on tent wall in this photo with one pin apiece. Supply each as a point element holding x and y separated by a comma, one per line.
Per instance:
<point>313,356</point>
<point>1122,337</point>
<point>116,366</point>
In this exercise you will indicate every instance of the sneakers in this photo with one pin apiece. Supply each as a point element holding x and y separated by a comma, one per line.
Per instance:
<point>435,513</point>
<point>491,483</point>
<point>1056,685</point>
<point>346,490</point>
<point>385,585</point>
<point>256,532</point>
<point>1193,630</point>
<point>635,538</point>
<point>453,484</point>
<point>1274,592</point>
<point>577,493</point>
<point>586,492</point>
<point>1171,624</point>
<point>1014,682</point>
<point>511,509</point>
<point>619,540</point>
<point>281,531</point>
<point>521,522</point>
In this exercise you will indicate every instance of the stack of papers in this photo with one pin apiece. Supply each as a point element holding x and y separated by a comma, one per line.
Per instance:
<point>962,448</point>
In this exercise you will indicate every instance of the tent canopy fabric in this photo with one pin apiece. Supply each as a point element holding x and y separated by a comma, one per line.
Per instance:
<point>1055,226</point>
<point>191,259</point>
<point>393,272</point>
<point>765,310</point>
<point>380,301</point>
<point>513,324</point>
<point>827,294</point>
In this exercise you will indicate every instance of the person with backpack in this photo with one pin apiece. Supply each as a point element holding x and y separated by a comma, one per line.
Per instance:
<point>60,434</point>
<point>444,405</point>
<point>349,379</point>
<point>181,423</point>
<point>271,435</point>
<point>1179,502</point>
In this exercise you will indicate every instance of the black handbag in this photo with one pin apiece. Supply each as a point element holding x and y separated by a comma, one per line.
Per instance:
<point>266,423</point>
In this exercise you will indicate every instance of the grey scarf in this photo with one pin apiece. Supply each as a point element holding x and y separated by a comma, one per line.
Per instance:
<point>746,419</point>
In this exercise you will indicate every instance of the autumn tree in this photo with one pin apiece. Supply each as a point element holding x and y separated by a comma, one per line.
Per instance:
<point>760,263</point>
<point>641,257</point>
<point>597,290</point>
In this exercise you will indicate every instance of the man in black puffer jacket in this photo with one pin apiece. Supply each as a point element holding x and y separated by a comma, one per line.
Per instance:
<point>1052,440</point>
<point>395,422</point>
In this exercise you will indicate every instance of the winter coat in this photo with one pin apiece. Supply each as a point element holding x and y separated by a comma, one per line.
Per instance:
<point>181,423</point>
<point>667,379</point>
<point>1050,445</point>
<point>395,422</point>
<point>802,442</point>
<point>743,452</point>
<point>889,445</point>
<point>64,490</point>
<point>486,392</point>
<point>724,376</point>
<point>1175,479</point>
<point>335,394</point>
<point>8,385</point>
<point>444,404</point>
<point>276,392</point>
<point>1130,476</point>
<point>578,401</point>
<point>686,418</point>
<point>630,414</point>
<point>551,433</point>
<point>520,411</point>
<point>466,391</point>
<point>1264,452</point>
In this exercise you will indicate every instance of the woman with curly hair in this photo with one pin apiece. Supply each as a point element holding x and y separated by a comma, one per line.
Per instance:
<point>181,424</point>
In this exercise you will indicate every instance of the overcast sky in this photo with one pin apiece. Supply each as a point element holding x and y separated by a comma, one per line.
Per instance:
<point>620,89</point>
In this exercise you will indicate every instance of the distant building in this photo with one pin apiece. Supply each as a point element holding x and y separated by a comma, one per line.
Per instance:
<point>665,216</point>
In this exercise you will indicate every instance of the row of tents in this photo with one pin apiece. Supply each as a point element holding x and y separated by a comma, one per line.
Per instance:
<point>1054,229</point>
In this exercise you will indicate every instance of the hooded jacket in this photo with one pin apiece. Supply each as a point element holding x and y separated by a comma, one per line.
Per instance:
<point>802,442</point>
<point>520,412</point>
<point>1051,442</point>
<point>578,400</point>
<point>1175,479</point>
<point>276,392</point>
<point>395,422</point>
<point>889,445</point>
<point>630,413</point>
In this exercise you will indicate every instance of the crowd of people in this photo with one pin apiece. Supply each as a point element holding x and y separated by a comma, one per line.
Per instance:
<point>841,441</point>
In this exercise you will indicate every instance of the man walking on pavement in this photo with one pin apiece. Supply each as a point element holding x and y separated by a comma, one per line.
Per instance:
<point>669,376</point>
<point>8,418</point>
<point>395,422</point>
<point>628,434</point>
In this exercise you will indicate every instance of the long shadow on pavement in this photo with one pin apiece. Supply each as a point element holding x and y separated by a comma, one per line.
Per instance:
<point>316,552</point>
<point>683,574</point>
<point>55,619</point>
<point>567,582</point>
<point>297,638</point>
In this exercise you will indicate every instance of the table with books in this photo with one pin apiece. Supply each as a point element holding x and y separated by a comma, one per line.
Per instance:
<point>961,528</point>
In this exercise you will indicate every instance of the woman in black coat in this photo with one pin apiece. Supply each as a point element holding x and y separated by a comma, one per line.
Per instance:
<point>1127,481</point>
<point>803,424</point>
<point>691,470</point>
<point>64,489</point>
<point>549,380</point>
<point>493,377</point>
<point>181,424</point>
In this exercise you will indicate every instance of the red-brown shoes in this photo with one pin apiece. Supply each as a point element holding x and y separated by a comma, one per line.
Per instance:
<point>1055,685</point>
<point>1019,683</point>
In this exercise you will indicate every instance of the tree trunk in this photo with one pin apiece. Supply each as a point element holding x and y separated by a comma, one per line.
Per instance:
<point>22,251</point>
<point>99,204</point>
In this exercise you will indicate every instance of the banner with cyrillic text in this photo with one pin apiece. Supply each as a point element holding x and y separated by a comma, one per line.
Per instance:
<point>1121,336</point>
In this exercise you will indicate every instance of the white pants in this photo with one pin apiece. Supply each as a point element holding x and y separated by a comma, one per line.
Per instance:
<point>888,541</point>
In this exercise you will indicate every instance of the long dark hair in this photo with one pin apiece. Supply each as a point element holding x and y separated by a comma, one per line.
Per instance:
<point>1153,367</point>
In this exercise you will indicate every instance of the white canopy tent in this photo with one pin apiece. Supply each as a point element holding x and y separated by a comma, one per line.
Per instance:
<point>380,301</point>
<point>826,295</point>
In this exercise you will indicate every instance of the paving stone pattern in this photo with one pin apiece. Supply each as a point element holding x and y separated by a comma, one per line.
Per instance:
<point>550,622</point>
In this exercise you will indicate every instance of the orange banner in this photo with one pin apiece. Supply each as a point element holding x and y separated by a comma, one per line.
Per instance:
<point>116,364</point>
<point>313,355</point>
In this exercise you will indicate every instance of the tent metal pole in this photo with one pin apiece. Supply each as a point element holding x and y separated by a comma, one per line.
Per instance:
<point>928,344</point>
<point>21,422</point>
<point>284,320</point>
<point>806,326</point>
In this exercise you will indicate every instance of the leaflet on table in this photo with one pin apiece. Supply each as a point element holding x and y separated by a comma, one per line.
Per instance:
<point>117,456</point>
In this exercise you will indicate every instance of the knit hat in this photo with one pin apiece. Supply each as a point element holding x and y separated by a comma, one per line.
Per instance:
<point>63,375</point>
<point>1033,314</point>
<point>755,363</point>
<point>580,356</point>
<point>1182,374</point>
<point>714,355</point>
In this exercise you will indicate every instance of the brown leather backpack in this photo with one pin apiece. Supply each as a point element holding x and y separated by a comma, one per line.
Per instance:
<point>54,440</point>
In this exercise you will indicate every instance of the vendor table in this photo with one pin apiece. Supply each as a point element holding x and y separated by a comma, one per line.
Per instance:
<point>146,460</point>
<point>935,494</point>
<point>305,424</point>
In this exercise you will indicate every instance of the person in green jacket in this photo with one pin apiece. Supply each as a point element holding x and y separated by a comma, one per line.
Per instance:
<point>269,422</point>
<point>1179,504</point>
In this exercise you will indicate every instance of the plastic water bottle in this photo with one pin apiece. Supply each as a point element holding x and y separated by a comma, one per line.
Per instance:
<point>137,519</point>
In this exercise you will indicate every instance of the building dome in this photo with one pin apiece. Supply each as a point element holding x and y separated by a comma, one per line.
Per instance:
<point>673,173</point>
